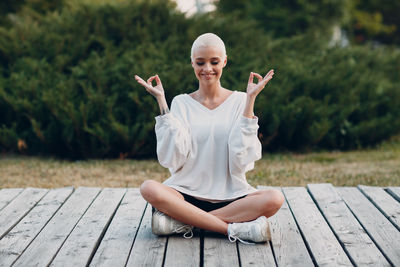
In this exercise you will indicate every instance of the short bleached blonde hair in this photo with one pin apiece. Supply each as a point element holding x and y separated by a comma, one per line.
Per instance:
<point>206,40</point>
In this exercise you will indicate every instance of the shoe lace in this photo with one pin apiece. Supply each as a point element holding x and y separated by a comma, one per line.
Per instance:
<point>185,228</point>
<point>232,237</point>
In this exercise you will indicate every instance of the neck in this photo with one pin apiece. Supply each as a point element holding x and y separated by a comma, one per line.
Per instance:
<point>210,90</point>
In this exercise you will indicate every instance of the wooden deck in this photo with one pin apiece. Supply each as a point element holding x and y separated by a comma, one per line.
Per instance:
<point>319,225</point>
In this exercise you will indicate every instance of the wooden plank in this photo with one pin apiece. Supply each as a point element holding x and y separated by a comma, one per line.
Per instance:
<point>84,239</point>
<point>322,243</point>
<point>395,192</point>
<point>43,248</point>
<point>256,255</point>
<point>350,233</point>
<point>14,243</point>
<point>384,234</point>
<point>7,195</point>
<point>148,249</point>
<point>18,208</point>
<point>117,242</point>
<point>287,243</point>
<point>219,251</point>
<point>384,202</point>
<point>182,252</point>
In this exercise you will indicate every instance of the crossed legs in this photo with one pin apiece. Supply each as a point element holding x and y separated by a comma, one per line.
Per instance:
<point>171,202</point>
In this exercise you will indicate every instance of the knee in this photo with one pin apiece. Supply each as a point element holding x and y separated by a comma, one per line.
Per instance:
<point>149,191</point>
<point>277,199</point>
<point>274,200</point>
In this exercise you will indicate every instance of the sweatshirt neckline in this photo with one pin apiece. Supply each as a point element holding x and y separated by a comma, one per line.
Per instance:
<point>214,109</point>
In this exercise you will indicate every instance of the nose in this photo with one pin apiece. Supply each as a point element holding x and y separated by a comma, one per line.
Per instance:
<point>207,67</point>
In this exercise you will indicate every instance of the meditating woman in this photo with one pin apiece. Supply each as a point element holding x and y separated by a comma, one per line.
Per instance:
<point>209,141</point>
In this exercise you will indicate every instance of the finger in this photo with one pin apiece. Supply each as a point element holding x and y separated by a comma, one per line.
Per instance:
<point>149,80</point>
<point>259,77</point>
<point>268,77</point>
<point>143,83</point>
<point>269,74</point>
<point>158,80</point>
<point>251,77</point>
<point>140,80</point>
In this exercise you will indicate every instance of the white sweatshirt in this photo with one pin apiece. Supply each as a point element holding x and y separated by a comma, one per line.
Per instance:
<point>208,151</point>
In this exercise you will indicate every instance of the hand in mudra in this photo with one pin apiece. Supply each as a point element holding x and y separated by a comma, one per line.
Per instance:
<point>253,89</point>
<point>157,91</point>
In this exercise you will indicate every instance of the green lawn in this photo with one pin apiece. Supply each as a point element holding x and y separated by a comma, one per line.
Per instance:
<point>378,166</point>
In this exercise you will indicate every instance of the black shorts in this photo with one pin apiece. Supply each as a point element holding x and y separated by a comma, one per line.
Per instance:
<point>206,205</point>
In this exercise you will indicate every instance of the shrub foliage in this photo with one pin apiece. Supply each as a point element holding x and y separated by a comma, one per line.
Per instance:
<point>67,87</point>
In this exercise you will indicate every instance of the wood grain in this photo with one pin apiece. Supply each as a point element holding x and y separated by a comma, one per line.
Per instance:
<point>14,243</point>
<point>82,242</point>
<point>394,192</point>
<point>384,234</point>
<point>321,241</point>
<point>287,242</point>
<point>384,202</point>
<point>148,249</point>
<point>45,246</point>
<point>18,208</point>
<point>350,233</point>
<point>7,195</point>
<point>117,242</point>
<point>182,252</point>
<point>219,251</point>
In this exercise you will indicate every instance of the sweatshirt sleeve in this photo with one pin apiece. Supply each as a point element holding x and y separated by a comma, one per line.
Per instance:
<point>173,139</point>
<point>244,145</point>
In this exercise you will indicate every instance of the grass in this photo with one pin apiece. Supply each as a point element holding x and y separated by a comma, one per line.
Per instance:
<point>379,166</point>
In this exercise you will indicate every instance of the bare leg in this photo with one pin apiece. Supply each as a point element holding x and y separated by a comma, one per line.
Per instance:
<point>172,203</point>
<point>261,203</point>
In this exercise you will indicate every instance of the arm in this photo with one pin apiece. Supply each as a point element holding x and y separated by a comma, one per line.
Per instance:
<point>244,145</point>
<point>173,139</point>
<point>173,136</point>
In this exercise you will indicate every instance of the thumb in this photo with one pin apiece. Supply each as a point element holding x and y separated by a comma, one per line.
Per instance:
<point>251,77</point>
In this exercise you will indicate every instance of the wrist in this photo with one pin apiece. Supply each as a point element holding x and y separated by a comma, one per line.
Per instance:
<point>160,97</point>
<point>162,103</point>
<point>249,108</point>
<point>249,116</point>
<point>250,98</point>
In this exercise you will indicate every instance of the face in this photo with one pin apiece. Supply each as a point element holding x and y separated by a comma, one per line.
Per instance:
<point>208,63</point>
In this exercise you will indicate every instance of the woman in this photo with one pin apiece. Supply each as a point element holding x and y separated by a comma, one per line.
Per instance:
<point>209,141</point>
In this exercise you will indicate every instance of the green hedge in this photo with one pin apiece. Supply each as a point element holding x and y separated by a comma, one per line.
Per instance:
<point>67,87</point>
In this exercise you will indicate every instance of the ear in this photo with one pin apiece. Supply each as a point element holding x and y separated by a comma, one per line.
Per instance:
<point>225,61</point>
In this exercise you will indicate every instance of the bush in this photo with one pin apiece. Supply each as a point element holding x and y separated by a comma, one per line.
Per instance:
<point>67,88</point>
<point>287,17</point>
<point>335,98</point>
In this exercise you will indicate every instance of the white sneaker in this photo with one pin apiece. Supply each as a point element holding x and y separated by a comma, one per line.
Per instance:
<point>256,231</point>
<point>162,224</point>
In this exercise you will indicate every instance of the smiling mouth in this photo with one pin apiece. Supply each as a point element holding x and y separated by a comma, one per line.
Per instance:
<point>208,75</point>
